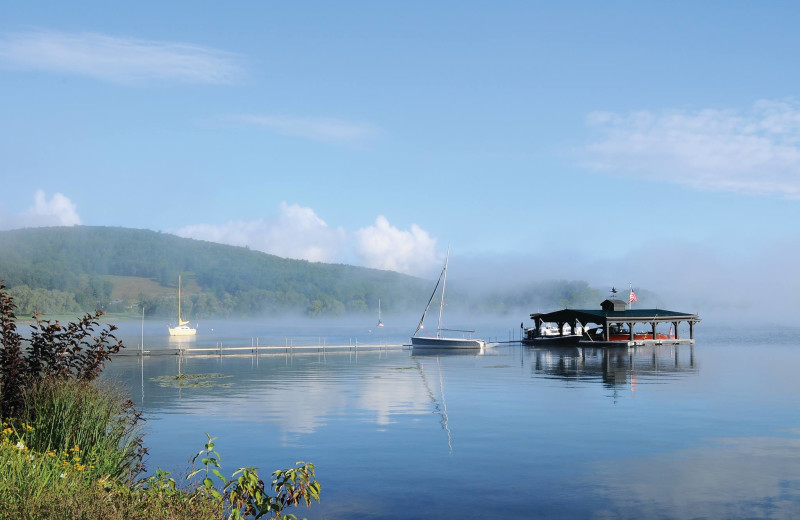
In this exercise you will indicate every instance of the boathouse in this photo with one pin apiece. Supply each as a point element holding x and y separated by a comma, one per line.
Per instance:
<point>614,321</point>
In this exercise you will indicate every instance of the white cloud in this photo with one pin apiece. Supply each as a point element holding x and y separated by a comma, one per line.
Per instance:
<point>384,246</point>
<point>58,211</point>
<point>296,233</point>
<point>750,151</point>
<point>118,60</point>
<point>316,128</point>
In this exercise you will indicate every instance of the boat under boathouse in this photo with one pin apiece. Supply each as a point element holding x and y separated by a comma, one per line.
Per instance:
<point>611,325</point>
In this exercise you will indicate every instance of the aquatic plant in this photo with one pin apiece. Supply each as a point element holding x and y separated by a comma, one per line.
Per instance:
<point>192,381</point>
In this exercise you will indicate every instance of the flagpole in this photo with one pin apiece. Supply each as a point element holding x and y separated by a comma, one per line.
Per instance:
<point>631,297</point>
<point>630,293</point>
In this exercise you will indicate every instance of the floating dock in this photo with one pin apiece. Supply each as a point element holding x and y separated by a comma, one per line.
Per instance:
<point>220,349</point>
<point>635,342</point>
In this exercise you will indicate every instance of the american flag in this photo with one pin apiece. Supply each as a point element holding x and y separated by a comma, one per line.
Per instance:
<point>632,297</point>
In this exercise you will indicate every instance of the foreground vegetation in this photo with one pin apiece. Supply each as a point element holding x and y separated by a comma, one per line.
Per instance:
<point>72,448</point>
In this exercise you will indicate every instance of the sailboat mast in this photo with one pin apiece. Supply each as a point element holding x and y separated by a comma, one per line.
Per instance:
<point>444,284</point>
<point>422,320</point>
<point>179,299</point>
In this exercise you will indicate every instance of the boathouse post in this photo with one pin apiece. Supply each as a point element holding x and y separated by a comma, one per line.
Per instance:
<point>653,325</point>
<point>630,330</point>
<point>675,328</point>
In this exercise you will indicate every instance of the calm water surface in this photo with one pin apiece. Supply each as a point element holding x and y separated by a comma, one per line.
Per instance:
<point>710,431</point>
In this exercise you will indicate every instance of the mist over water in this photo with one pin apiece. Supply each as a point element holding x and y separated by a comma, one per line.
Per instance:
<point>759,283</point>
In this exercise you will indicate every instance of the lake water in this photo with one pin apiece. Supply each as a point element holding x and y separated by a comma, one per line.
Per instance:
<point>709,431</point>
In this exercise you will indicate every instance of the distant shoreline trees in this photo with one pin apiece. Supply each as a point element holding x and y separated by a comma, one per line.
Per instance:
<point>70,270</point>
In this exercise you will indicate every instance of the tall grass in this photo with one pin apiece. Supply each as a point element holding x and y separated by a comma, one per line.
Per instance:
<point>57,485</point>
<point>62,485</point>
<point>93,421</point>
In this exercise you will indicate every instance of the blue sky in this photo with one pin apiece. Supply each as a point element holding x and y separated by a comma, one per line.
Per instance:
<point>655,143</point>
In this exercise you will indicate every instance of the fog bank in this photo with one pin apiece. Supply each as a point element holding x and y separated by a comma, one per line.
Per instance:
<point>760,284</point>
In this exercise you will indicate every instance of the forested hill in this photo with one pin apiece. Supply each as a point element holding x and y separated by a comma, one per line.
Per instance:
<point>66,269</point>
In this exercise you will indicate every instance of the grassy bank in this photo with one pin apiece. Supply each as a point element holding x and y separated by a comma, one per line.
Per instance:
<point>72,483</point>
<point>75,451</point>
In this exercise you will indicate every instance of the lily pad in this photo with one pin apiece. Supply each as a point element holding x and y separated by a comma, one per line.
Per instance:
<point>192,381</point>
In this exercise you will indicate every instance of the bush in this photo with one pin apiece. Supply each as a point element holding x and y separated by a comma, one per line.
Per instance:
<point>76,350</point>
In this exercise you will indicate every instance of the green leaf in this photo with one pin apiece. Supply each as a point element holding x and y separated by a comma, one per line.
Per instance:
<point>219,475</point>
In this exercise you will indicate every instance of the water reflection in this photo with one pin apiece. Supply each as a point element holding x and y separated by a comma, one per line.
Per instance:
<point>299,392</point>
<point>721,443</point>
<point>435,352</point>
<point>181,342</point>
<point>614,366</point>
<point>440,404</point>
<point>740,477</point>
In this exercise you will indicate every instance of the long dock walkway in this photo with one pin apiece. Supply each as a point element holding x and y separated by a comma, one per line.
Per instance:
<point>220,349</point>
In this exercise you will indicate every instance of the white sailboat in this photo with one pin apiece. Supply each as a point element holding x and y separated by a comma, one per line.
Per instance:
<point>380,323</point>
<point>439,341</point>
<point>183,328</point>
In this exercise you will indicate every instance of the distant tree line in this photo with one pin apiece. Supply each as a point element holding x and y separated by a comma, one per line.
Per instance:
<point>65,270</point>
<point>60,270</point>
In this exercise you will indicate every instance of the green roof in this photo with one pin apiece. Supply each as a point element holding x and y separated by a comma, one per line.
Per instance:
<point>592,315</point>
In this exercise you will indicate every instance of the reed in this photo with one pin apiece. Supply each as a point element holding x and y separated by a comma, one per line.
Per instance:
<point>93,421</point>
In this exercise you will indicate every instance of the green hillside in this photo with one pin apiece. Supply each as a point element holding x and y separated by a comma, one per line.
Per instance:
<point>69,269</point>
